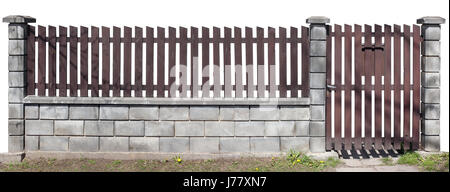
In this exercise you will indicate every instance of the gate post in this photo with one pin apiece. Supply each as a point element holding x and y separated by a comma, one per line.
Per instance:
<point>317,83</point>
<point>430,79</point>
<point>17,51</point>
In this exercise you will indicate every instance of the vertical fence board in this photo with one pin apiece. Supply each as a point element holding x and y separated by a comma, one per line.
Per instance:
<point>160,61</point>
<point>260,62</point>
<point>294,63</point>
<point>348,92</point>
<point>397,84</point>
<point>51,61</point>
<point>283,73</point>
<point>149,56</point>
<point>62,62</point>
<point>238,62</point>
<point>227,63</point>
<point>305,62</point>
<point>271,62</point>
<point>416,88</point>
<point>406,87</point>
<point>31,60</point>
<point>94,61</point>
<point>127,62</point>
<point>329,140</point>
<point>249,61</point>
<point>216,61</point>
<point>338,83</point>
<point>172,56</point>
<point>105,61</point>
<point>368,71</point>
<point>73,61</point>
<point>116,62</point>
<point>84,61</point>
<point>205,62</point>
<point>41,60</point>
<point>183,61</point>
<point>359,68</point>
<point>138,62</point>
<point>194,62</point>
<point>379,68</point>
<point>387,87</point>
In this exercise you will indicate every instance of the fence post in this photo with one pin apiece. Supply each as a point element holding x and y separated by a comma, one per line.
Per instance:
<point>317,73</point>
<point>430,78</point>
<point>17,51</point>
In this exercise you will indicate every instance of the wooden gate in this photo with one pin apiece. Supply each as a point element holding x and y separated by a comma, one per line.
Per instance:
<point>373,98</point>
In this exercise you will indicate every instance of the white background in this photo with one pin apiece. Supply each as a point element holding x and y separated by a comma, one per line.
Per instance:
<point>229,13</point>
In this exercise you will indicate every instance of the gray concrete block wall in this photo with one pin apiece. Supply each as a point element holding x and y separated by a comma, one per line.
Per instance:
<point>430,77</point>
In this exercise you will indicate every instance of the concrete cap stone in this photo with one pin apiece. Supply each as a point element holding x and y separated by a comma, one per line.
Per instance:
<point>318,20</point>
<point>18,19</point>
<point>431,20</point>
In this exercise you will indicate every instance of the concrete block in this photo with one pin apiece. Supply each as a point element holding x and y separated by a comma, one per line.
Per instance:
<point>431,80</point>
<point>16,79</point>
<point>264,113</point>
<point>114,144</point>
<point>144,113</point>
<point>83,112</point>
<point>431,48</point>
<point>129,128</point>
<point>114,112</point>
<point>302,128</point>
<point>15,111</point>
<point>317,144</point>
<point>431,127</point>
<point>318,64</point>
<point>174,113</point>
<point>317,128</point>
<point>99,128</point>
<point>294,113</point>
<point>264,144</point>
<point>16,127</point>
<point>317,112</point>
<point>216,128</point>
<point>431,32</point>
<point>318,48</point>
<point>54,111</point>
<point>204,145</point>
<point>69,127</point>
<point>431,111</point>
<point>174,144</point>
<point>17,31</point>
<point>31,112</point>
<point>17,47</point>
<point>15,143</point>
<point>431,20</point>
<point>160,128</point>
<point>31,143</point>
<point>83,144</point>
<point>318,20</point>
<point>318,32</point>
<point>317,80</point>
<point>16,95</point>
<point>204,113</point>
<point>299,144</point>
<point>431,143</point>
<point>234,113</point>
<point>318,96</point>
<point>144,144</point>
<point>253,128</point>
<point>39,127</point>
<point>431,95</point>
<point>234,145</point>
<point>279,128</point>
<point>17,63</point>
<point>54,143</point>
<point>431,64</point>
<point>189,128</point>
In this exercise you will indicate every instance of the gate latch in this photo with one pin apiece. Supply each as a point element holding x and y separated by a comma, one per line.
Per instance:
<point>373,48</point>
<point>331,87</point>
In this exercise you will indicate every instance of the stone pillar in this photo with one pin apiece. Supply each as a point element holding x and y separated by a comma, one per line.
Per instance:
<point>430,78</point>
<point>318,35</point>
<point>17,51</point>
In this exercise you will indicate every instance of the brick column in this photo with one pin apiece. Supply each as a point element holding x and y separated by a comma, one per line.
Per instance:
<point>430,78</point>
<point>318,35</point>
<point>17,51</point>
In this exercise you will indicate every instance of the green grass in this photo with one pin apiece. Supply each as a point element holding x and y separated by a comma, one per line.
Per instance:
<point>433,162</point>
<point>387,161</point>
<point>410,158</point>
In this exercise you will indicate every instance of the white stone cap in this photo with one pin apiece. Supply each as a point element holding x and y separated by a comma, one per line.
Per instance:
<point>318,20</point>
<point>431,20</point>
<point>18,19</point>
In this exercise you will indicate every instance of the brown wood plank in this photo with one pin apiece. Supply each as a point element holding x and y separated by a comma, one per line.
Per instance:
<point>194,62</point>
<point>94,61</point>
<point>216,61</point>
<point>271,62</point>
<point>31,60</point>
<point>338,81</point>
<point>127,62</point>
<point>149,56</point>
<point>283,73</point>
<point>359,68</point>
<point>406,91</point>
<point>260,62</point>
<point>52,61</point>
<point>205,62</point>
<point>183,61</point>
<point>397,83</point>
<point>238,62</point>
<point>62,62</point>
<point>73,61</point>
<point>416,89</point>
<point>41,60</point>
<point>116,62</point>
<point>368,72</point>
<point>249,62</point>
<point>138,62</point>
<point>227,63</point>
<point>379,69</point>
<point>160,61</point>
<point>348,91</point>
<point>105,62</point>
<point>294,63</point>
<point>328,131</point>
<point>172,56</point>
<point>84,61</point>
<point>305,61</point>
<point>387,90</point>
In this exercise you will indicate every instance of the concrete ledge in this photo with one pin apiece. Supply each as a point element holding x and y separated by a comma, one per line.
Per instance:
<point>11,157</point>
<point>165,101</point>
